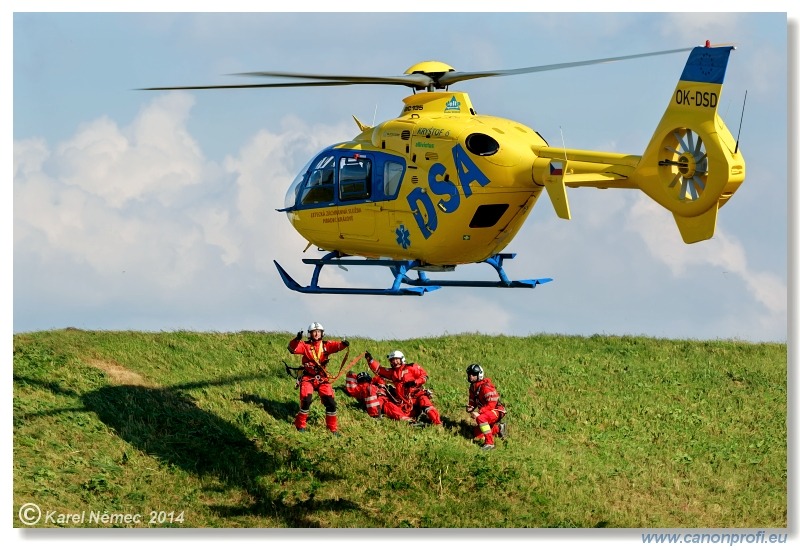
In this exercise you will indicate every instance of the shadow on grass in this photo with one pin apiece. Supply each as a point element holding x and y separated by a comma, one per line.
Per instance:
<point>462,427</point>
<point>279,410</point>
<point>286,410</point>
<point>295,516</point>
<point>165,423</point>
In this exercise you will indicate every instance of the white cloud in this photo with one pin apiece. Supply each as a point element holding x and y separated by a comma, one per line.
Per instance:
<point>29,156</point>
<point>139,211</point>
<point>153,158</point>
<point>657,229</point>
<point>77,201</point>
<point>262,171</point>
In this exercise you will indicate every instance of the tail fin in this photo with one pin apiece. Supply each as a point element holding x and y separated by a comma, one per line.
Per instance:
<point>692,165</point>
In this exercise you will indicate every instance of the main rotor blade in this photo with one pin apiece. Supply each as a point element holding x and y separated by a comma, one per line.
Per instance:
<point>274,85</point>
<point>457,76</point>
<point>416,80</point>
<point>413,80</point>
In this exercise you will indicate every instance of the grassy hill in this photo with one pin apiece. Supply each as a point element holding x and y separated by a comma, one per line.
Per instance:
<point>194,430</point>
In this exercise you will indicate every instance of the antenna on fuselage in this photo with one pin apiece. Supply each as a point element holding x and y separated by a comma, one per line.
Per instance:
<point>740,124</point>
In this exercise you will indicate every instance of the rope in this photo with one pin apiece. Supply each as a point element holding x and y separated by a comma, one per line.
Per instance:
<point>342,367</point>
<point>325,371</point>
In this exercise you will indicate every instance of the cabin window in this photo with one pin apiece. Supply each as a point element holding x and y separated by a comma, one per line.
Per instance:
<point>319,187</point>
<point>392,175</point>
<point>355,174</point>
<point>481,145</point>
<point>488,215</point>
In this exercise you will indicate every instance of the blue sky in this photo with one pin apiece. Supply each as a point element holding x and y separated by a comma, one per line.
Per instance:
<point>156,210</point>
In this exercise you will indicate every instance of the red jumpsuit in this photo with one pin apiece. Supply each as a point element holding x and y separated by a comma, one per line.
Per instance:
<point>408,379</point>
<point>315,377</point>
<point>375,397</point>
<point>485,399</point>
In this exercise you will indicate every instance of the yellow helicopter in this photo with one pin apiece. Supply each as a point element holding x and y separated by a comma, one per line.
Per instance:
<point>441,185</point>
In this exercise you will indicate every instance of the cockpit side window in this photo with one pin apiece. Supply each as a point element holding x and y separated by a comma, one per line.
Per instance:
<point>355,178</point>
<point>319,188</point>
<point>392,175</point>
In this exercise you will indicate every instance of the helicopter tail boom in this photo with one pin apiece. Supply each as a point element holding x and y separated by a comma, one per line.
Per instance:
<point>556,169</point>
<point>691,167</point>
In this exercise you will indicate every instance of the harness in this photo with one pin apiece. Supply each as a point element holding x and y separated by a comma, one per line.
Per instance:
<point>321,372</point>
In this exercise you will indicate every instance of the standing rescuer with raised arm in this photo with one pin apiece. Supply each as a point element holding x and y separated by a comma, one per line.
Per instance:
<point>316,352</point>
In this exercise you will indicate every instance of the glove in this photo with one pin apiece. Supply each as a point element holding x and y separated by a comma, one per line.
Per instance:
<point>470,409</point>
<point>345,343</point>
<point>368,356</point>
<point>475,414</point>
<point>299,335</point>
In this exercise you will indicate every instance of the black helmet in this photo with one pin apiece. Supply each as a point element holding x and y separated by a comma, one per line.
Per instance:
<point>475,370</point>
<point>362,377</point>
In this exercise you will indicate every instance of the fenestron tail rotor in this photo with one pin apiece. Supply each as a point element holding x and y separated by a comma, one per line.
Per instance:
<point>689,164</point>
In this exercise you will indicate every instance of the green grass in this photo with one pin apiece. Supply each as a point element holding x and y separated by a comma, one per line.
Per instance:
<point>603,432</point>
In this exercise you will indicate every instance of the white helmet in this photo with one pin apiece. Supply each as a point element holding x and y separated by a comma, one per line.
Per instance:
<point>397,354</point>
<point>315,326</point>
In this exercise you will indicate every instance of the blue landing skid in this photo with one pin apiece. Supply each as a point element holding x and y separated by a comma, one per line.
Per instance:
<point>496,262</point>
<point>399,269</point>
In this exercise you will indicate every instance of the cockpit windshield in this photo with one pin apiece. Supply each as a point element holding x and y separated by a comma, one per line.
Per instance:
<point>319,189</point>
<point>291,194</point>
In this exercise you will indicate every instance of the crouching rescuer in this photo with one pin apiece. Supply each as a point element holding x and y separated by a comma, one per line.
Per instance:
<point>409,380</point>
<point>314,376</point>
<point>485,407</point>
<point>375,395</point>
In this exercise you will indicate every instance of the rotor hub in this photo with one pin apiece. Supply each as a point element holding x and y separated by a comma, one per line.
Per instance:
<point>687,165</point>
<point>433,70</point>
<point>429,68</point>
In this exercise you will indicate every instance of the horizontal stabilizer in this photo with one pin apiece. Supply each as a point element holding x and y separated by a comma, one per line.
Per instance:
<point>554,184</point>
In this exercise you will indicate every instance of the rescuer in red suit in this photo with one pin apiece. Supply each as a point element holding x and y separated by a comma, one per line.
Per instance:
<point>485,407</point>
<point>373,393</point>
<point>408,380</point>
<point>314,377</point>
